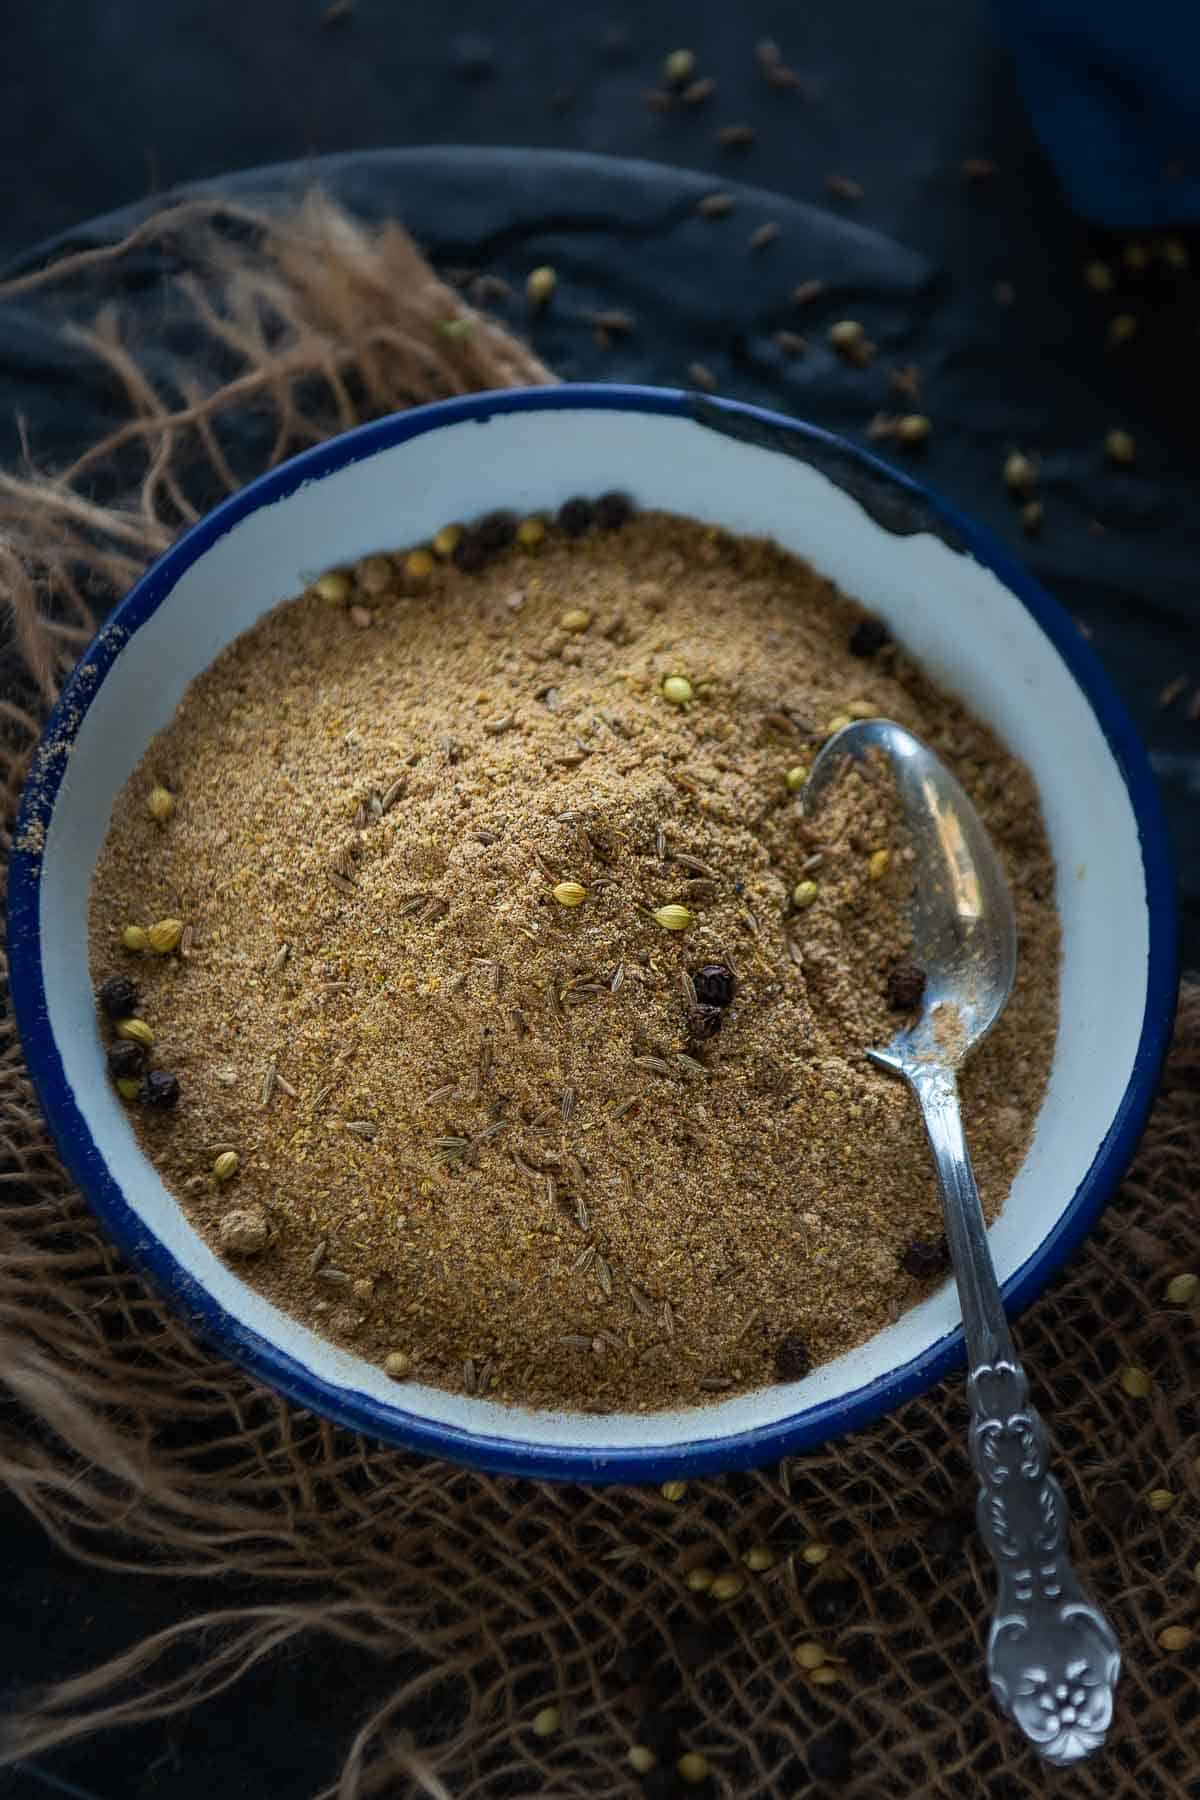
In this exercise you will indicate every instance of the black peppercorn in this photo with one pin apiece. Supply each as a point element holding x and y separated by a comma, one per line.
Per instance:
<point>905,985</point>
<point>496,530</point>
<point>119,997</point>
<point>703,1022</point>
<point>792,1359</point>
<point>868,637</point>
<point>830,1757</point>
<point>159,1090</point>
<point>613,510</point>
<point>470,554</point>
<point>925,1258</point>
<point>576,515</point>
<point>714,984</point>
<point>832,1601</point>
<point>126,1060</point>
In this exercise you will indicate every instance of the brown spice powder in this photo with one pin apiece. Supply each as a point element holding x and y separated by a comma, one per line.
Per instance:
<point>474,1117</point>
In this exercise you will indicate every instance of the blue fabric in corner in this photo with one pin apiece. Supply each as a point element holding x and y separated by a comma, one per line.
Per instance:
<point>1114,91</point>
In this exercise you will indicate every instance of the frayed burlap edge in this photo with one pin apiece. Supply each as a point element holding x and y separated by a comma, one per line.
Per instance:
<point>139,1450</point>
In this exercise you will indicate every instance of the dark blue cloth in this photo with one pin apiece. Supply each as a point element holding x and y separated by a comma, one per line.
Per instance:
<point>1114,92</point>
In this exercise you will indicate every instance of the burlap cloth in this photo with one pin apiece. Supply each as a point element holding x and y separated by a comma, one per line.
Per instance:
<point>139,1449</point>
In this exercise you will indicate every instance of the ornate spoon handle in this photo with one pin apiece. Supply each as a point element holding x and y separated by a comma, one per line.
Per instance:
<point>1053,1657</point>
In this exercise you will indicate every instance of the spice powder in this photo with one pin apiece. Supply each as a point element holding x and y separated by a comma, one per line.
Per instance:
<point>485,1125</point>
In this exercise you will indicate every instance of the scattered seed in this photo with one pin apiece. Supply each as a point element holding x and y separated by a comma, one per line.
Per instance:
<point>160,804</point>
<point>673,918</point>
<point>540,285</point>
<point>135,937</point>
<point>736,137</point>
<point>679,67</point>
<point>1171,692</point>
<point>844,187</point>
<point>1121,329</point>
<point>715,206</point>
<point>878,864</point>
<point>1033,515</point>
<point>790,343</point>
<point>1176,1637</point>
<point>128,1086</point>
<point>1161,1500</point>
<point>825,1675</point>
<point>546,1722</point>
<point>766,234</point>
<point>697,92</point>
<point>814,1554</point>
<point>165,936</point>
<point>913,428</point>
<point>804,893</point>
<point>397,1365</point>
<point>727,1586</point>
<point>225,1166</point>
<point>1135,256</point>
<point>808,1656</point>
<point>758,1558</point>
<point>1119,447</point>
<point>701,376</point>
<point>805,292</point>
<point>677,689</point>
<point>1136,1383</point>
<point>570,893</point>
<point>135,1031</point>
<point>1099,277</point>
<point>1182,1288</point>
<point>700,1580</point>
<point>673,1490</point>
<point>692,1767</point>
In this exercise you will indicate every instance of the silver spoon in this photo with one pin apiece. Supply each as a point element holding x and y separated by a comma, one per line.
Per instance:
<point>1053,1657</point>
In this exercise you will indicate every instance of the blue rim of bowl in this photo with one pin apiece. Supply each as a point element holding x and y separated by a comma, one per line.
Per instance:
<point>512,1455</point>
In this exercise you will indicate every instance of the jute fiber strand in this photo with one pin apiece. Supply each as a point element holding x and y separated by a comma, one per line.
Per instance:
<point>482,1601</point>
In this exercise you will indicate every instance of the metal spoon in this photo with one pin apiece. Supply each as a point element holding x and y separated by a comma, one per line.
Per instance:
<point>1053,1657</point>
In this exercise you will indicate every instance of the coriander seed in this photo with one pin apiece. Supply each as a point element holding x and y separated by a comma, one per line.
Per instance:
<point>1136,1383</point>
<point>861,709</point>
<point>1099,277</point>
<point>824,1675</point>
<point>570,893</point>
<point>397,1365</point>
<point>814,1554</point>
<point>913,428</point>
<point>225,1166</point>
<point>808,1656</point>
<point>1119,447</point>
<point>135,1031</point>
<point>1020,472</point>
<point>1161,1500</point>
<point>677,689</point>
<point>531,533</point>
<point>838,723</point>
<point>803,894</point>
<point>128,1086</point>
<point>445,541</point>
<point>546,1722</point>
<point>679,67</point>
<point>160,804</point>
<point>641,1759</point>
<point>135,937</point>
<point>727,1586</point>
<point>540,285</point>
<point>334,588</point>
<point>692,1767</point>
<point>673,918</point>
<point>673,1490</point>
<point>1182,1288</point>
<point>1121,328</point>
<point>700,1580</point>
<point>1176,1637</point>
<point>118,997</point>
<point>165,936</point>
<point>418,565</point>
<point>758,1558</point>
<point>878,864</point>
<point>796,777</point>
<point>845,334</point>
<point>576,619</point>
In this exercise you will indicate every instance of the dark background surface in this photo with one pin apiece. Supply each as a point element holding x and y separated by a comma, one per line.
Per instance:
<point>104,105</point>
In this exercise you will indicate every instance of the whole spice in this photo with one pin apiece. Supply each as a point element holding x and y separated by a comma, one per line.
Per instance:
<point>576,620</point>
<point>1020,472</point>
<point>714,984</point>
<point>335,588</point>
<point>135,937</point>
<point>1161,1500</point>
<point>913,428</point>
<point>679,67</point>
<point>126,1060</point>
<point>576,515</point>
<point>641,1759</point>
<point>118,997</point>
<point>225,1166</point>
<point>803,895</point>
<point>673,1490</point>
<point>164,937</point>
<point>1136,1383</point>
<point>1182,1288</point>
<point>613,510</point>
<point>815,1554</point>
<point>905,985</point>
<point>792,1359</point>
<point>678,690</point>
<point>445,541</point>
<point>714,206</point>
<point>418,565</point>
<point>531,533</point>
<point>547,1721</point>
<point>570,893</point>
<point>703,1022</point>
<point>1119,447</point>
<point>700,1580</point>
<point>1099,277</point>
<point>925,1258</point>
<point>159,1090</point>
<point>869,637</point>
<point>160,804</point>
<point>397,1365</point>
<point>129,1087</point>
<point>758,1558</point>
<point>244,1231</point>
<point>673,918</point>
<point>1176,1637</point>
<point>878,864</point>
<point>135,1031</point>
<point>692,1767</point>
<point>808,1656</point>
<point>540,285</point>
<point>727,1586</point>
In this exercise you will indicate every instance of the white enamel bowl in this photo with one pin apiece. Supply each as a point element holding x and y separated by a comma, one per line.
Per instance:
<point>977,622</point>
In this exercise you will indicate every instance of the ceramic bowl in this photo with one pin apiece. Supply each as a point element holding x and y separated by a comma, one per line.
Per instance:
<point>974,618</point>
